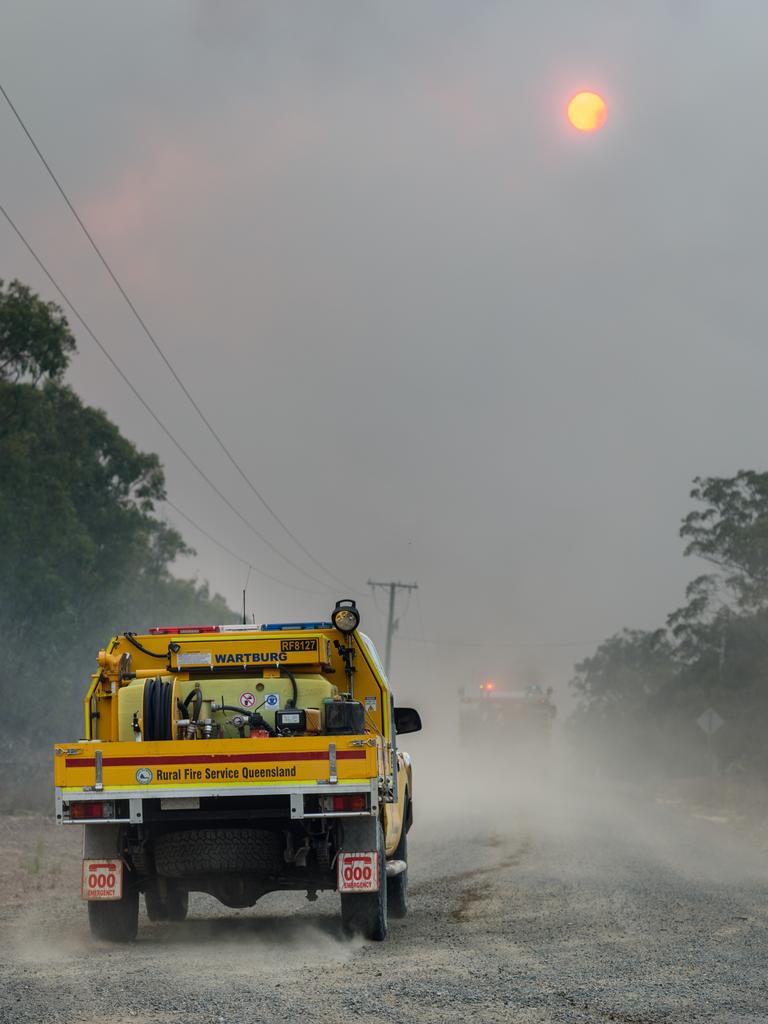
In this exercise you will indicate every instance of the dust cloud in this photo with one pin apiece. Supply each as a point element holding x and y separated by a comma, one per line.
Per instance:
<point>508,795</point>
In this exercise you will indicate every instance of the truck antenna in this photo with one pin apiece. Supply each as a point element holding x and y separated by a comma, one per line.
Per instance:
<point>247,580</point>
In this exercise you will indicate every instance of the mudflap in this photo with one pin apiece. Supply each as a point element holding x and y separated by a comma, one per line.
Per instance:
<point>114,920</point>
<point>365,913</point>
<point>100,841</point>
<point>361,835</point>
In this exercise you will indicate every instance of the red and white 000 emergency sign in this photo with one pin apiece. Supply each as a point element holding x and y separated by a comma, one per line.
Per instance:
<point>102,880</point>
<point>358,872</point>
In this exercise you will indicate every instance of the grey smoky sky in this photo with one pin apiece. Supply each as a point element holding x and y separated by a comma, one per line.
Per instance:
<point>449,338</point>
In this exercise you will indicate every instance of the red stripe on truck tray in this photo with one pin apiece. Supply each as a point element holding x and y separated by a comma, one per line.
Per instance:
<point>299,755</point>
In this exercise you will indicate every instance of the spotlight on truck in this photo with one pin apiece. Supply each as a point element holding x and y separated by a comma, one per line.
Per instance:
<point>346,617</point>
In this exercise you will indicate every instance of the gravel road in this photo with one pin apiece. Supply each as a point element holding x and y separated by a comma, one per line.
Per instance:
<point>571,904</point>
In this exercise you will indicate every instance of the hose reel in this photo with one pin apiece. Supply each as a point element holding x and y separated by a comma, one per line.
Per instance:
<point>157,710</point>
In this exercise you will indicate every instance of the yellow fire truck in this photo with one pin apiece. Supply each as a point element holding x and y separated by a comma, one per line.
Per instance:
<point>236,761</point>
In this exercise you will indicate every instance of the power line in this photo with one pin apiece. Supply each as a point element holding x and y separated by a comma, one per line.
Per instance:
<point>162,354</point>
<point>143,401</point>
<point>234,554</point>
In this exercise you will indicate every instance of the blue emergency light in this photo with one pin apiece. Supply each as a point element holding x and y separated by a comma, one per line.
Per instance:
<point>274,626</point>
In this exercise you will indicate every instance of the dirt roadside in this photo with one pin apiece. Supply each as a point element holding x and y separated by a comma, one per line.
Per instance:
<point>553,908</point>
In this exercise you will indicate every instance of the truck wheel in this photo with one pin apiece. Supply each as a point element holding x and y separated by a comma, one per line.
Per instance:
<point>115,920</point>
<point>217,851</point>
<point>397,886</point>
<point>173,908</point>
<point>365,913</point>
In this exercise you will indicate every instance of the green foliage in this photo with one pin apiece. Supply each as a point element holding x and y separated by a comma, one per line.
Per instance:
<point>35,340</point>
<point>35,864</point>
<point>731,532</point>
<point>624,672</point>
<point>82,552</point>
<point>648,688</point>
<point>616,688</point>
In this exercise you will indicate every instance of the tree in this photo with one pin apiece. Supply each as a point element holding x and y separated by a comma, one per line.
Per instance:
<point>624,673</point>
<point>83,553</point>
<point>35,340</point>
<point>731,532</point>
<point>647,689</point>
<point>721,633</point>
<point>616,689</point>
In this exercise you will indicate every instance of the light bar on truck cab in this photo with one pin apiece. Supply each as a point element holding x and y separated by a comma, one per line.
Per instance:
<point>173,630</point>
<point>270,627</point>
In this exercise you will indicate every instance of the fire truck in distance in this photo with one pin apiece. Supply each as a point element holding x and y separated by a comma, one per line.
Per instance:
<point>237,761</point>
<point>520,717</point>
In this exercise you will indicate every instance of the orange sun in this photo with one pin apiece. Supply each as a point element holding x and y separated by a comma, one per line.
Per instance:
<point>587,112</point>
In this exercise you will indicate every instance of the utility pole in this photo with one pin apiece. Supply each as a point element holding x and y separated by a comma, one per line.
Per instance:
<point>391,621</point>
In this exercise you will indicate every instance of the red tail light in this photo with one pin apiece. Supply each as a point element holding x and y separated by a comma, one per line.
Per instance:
<point>351,802</point>
<point>86,809</point>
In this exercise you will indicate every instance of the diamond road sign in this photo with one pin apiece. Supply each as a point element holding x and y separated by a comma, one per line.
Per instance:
<point>710,722</point>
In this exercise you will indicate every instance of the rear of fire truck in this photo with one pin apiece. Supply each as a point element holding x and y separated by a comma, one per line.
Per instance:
<point>521,717</point>
<point>236,761</point>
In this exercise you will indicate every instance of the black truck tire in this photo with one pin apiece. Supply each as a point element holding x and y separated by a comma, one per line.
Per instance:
<point>217,851</point>
<point>115,920</point>
<point>365,913</point>
<point>172,907</point>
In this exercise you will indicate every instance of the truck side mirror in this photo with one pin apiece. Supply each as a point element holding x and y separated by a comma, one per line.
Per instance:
<point>407,720</point>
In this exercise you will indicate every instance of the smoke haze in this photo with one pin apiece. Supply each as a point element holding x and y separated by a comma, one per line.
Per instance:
<point>449,339</point>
